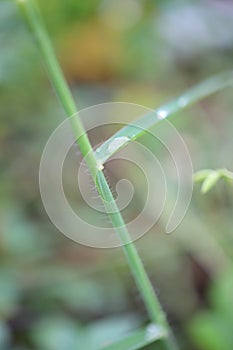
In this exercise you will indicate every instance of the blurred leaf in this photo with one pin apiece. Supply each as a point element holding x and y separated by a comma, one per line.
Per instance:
<point>210,181</point>
<point>110,329</point>
<point>4,336</point>
<point>201,175</point>
<point>138,339</point>
<point>82,293</point>
<point>10,292</point>
<point>221,295</point>
<point>209,178</point>
<point>57,333</point>
<point>21,238</point>
<point>210,331</point>
<point>60,333</point>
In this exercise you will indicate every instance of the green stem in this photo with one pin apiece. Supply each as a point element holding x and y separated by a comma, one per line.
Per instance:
<point>58,81</point>
<point>33,18</point>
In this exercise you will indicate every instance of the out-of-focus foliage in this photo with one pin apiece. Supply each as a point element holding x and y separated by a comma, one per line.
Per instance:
<point>209,178</point>
<point>55,294</point>
<point>212,329</point>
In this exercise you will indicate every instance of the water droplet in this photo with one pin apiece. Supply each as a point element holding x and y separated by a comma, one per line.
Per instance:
<point>99,165</point>
<point>182,102</point>
<point>117,143</point>
<point>154,331</point>
<point>162,114</point>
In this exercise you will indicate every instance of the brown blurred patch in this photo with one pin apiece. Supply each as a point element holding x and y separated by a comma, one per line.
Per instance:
<point>90,53</point>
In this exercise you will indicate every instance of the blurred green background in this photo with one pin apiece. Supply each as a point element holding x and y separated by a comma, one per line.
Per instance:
<point>56,294</point>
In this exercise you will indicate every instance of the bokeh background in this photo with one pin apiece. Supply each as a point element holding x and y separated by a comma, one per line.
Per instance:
<point>56,294</point>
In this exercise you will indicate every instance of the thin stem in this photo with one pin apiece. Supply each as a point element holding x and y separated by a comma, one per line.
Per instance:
<point>58,81</point>
<point>56,76</point>
<point>135,130</point>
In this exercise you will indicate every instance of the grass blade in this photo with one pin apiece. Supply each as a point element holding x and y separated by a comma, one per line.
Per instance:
<point>135,130</point>
<point>139,338</point>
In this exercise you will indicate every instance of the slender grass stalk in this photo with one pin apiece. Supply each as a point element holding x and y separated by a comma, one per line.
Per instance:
<point>33,18</point>
<point>138,128</point>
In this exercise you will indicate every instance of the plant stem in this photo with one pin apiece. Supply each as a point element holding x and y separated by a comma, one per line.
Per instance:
<point>58,81</point>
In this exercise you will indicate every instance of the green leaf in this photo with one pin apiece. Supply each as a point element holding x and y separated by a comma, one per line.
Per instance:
<point>227,175</point>
<point>139,338</point>
<point>201,175</point>
<point>221,294</point>
<point>138,128</point>
<point>109,330</point>
<point>58,333</point>
<point>209,178</point>
<point>210,331</point>
<point>210,181</point>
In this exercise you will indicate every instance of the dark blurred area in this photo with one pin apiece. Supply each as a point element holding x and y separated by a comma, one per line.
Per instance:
<point>56,294</point>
